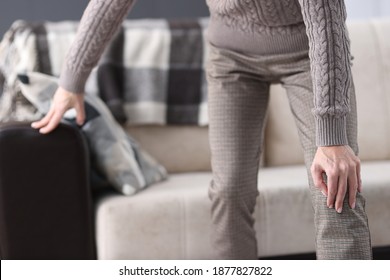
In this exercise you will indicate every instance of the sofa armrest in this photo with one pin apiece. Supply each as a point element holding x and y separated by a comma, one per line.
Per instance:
<point>45,199</point>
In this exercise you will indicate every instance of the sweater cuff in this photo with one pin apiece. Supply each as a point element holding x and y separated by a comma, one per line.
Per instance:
<point>72,81</point>
<point>331,131</point>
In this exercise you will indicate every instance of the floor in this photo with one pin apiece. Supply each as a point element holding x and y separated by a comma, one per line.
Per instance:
<point>379,253</point>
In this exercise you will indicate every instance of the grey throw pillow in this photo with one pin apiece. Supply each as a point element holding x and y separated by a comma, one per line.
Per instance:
<point>119,157</point>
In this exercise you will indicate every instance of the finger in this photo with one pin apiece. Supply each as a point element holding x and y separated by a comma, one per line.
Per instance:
<point>54,121</point>
<point>341,191</point>
<point>45,120</point>
<point>80,112</point>
<point>358,174</point>
<point>332,188</point>
<point>352,187</point>
<point>324,188</point>
<point>319,182</point>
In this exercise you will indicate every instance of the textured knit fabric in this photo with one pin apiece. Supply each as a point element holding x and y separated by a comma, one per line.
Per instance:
<point>238,98</point>
<point>272,27</point>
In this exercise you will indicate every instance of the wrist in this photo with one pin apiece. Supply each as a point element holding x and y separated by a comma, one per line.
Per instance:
<point>336,152</point>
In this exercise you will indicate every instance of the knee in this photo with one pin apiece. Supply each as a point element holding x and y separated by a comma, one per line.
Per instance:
<point>233,193</point>
<point>343,236</point>
<point>350,220</point>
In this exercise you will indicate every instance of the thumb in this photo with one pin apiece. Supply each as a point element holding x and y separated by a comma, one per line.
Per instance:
<point>80,110</point>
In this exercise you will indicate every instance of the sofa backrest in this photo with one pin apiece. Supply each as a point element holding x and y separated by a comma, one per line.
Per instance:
<point>183,149</point>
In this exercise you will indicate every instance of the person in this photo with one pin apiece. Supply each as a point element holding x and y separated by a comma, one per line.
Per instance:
<point>304,45</point>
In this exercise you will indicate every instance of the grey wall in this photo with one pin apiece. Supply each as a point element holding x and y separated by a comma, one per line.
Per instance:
<point>11,10</point>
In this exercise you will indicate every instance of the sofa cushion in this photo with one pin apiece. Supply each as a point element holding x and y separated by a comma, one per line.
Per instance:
<point>179,149</point>
<point>282,146</point>
<point>171,219</point>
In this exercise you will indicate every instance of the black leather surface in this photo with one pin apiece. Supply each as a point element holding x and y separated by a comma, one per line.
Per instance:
<point>45,199</point>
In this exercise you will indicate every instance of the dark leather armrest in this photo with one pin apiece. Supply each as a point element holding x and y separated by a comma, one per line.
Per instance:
<point>45,199</point>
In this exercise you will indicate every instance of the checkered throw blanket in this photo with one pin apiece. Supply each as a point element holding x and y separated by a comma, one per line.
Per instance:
<point>152,72</point>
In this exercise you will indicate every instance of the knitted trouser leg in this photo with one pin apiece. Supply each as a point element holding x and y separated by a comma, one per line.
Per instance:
<point>237,105</point>
<point>338,236</point>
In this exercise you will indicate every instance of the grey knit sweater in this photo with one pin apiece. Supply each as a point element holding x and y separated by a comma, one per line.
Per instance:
<point>254,26</point>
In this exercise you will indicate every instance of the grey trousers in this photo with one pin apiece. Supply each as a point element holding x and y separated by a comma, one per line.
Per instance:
<point>238,94</point>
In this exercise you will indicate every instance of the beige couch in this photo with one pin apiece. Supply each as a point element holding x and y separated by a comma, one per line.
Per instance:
<point>171,220</point>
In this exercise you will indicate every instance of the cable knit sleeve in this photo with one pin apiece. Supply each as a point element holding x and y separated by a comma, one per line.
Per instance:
<point>100,20</point>
<point>330,67</point>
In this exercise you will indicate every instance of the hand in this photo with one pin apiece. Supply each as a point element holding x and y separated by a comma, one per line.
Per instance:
<point>62,101</point>
<point>342,168</point>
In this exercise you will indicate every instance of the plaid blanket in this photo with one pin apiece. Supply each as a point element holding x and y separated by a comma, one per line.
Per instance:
<point>152,72</point>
